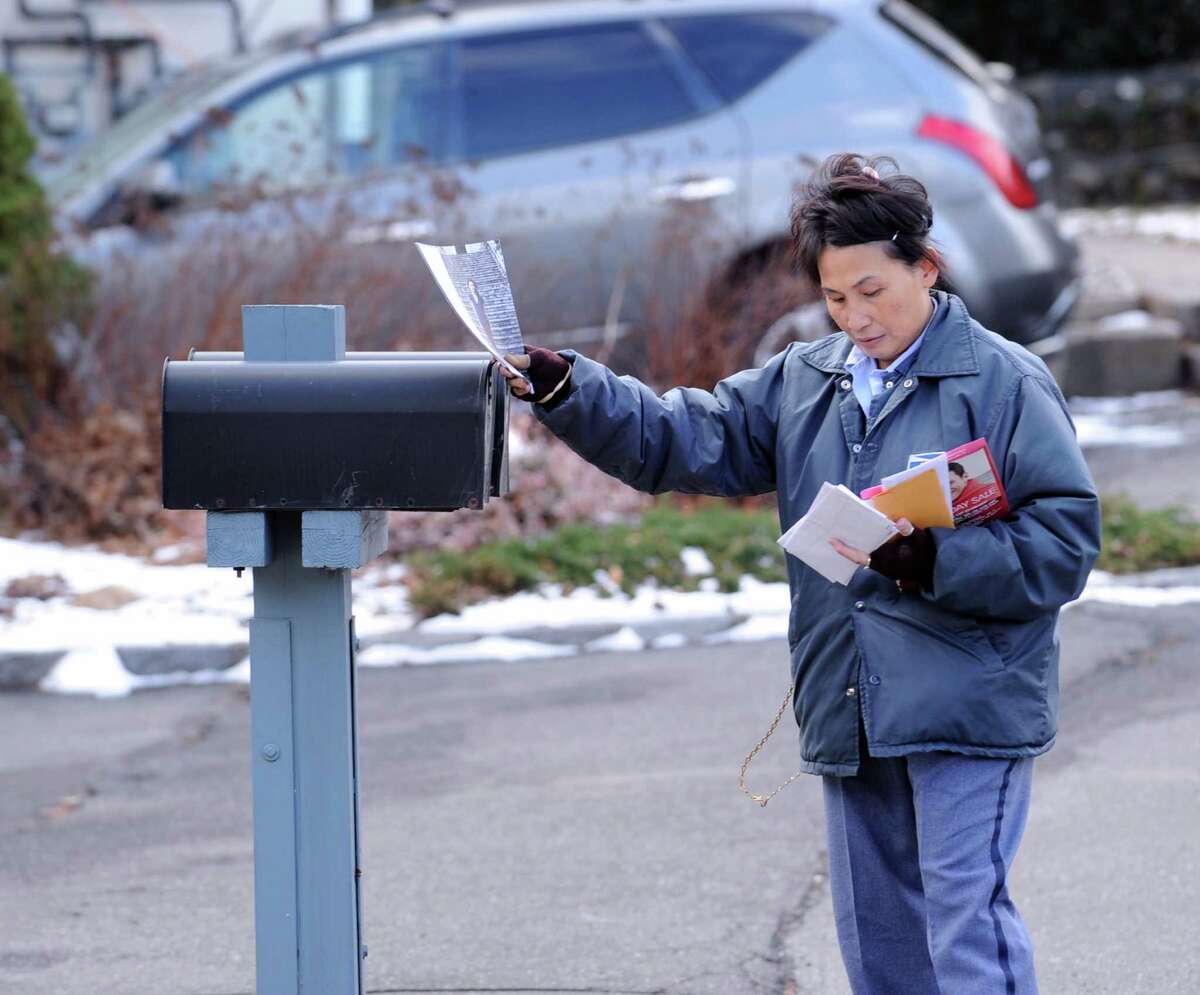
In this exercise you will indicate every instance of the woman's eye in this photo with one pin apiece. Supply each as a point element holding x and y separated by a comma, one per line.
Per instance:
<point>871,293</point>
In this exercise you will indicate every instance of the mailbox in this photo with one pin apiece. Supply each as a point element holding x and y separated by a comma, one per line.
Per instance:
<point>389,430</point>
<point>296,447</point>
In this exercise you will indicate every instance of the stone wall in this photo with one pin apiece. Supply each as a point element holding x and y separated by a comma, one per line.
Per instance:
<point>1122,137</point>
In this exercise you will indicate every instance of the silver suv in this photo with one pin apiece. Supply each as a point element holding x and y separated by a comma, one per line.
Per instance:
<point>602,141</point>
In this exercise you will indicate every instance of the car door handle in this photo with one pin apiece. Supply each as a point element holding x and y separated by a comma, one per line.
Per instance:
<point>696,188</point>
<point>390,231</point>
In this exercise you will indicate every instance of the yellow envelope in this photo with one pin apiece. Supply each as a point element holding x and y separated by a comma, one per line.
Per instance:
<point>920,499</point>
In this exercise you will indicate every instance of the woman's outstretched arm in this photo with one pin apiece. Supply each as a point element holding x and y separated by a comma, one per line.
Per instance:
<point>719,442</point>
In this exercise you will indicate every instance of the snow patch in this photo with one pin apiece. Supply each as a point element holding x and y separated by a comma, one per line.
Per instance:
<point>97,671</point>
<point>487,648</point>
<point>1127,321</point>
<point>1150,400</point>
<point>624,639</point>
<point>755,628</point>
<point>1094,431</point>
<point>1141,597</point>
<point>695,561</point>
<point>1175,222</point>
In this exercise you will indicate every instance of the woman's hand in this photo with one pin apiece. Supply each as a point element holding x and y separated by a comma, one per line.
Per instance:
<point>861,557</point>
<point>907,559</point>
<point>549,373</point>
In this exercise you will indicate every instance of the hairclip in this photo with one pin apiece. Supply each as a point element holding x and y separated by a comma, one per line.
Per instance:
<point>894,236</point>
<point>868,171</point>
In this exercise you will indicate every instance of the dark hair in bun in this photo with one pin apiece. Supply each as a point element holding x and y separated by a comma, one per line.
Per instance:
<point>850,200</point>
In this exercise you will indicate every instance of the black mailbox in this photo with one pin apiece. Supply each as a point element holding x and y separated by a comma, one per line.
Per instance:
<point>396,430</point>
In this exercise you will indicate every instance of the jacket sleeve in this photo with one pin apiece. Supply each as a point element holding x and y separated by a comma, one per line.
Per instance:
<point>1039,557</point>
<point>695,441</point>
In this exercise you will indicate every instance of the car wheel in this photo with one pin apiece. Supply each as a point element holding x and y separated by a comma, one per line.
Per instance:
<point>765,304</point>
<point>726,325</point>
<point>806,323</point>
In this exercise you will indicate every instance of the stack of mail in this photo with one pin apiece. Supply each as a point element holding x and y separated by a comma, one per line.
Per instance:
<point>921,493</point>
<point>837,513</point>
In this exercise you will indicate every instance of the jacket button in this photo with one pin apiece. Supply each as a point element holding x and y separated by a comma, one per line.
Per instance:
<point>845,385</point>
<point>908,383</point>
<point>890,384</point>
<point>850,692</point>
<point>860,606</point>
<point>874,679</point>
<point>856,448</point>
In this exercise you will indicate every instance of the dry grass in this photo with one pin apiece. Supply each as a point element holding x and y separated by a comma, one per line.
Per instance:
<point>91,469</point>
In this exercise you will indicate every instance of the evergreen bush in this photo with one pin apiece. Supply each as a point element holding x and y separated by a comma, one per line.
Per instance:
<point>43,293</point>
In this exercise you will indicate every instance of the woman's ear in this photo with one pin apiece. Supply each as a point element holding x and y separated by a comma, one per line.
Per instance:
<point>929,271</point>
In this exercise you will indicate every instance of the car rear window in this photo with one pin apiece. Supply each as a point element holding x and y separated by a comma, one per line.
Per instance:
<point>540,89</point>
<point>931,36</point>
<point>738,51</point>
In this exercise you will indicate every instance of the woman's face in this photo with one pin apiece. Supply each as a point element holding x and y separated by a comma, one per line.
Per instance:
<point>880,302</point>
<point>958,484</point>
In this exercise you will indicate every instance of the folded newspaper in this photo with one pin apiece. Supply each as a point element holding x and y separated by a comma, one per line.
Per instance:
<point>837,513</point>
<point>475,282</point>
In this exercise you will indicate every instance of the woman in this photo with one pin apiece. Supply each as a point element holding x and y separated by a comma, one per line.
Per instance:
<point>963,488</point>
<point>924,688</point>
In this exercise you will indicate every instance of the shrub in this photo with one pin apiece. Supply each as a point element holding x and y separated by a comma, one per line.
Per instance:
<point>43,294</point>
<point>94,477</point>
<point>737,540</point>
<point>1137,539</point>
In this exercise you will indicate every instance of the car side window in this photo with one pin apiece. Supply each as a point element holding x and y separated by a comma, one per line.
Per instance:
<point>349,118</point>
<point>532,90</point>
<point>738,51</point>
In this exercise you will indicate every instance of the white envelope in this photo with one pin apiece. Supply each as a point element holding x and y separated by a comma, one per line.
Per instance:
<point>836,513</point>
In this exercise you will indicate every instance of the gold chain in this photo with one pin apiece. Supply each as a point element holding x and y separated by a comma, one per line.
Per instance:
<point>763,799</point>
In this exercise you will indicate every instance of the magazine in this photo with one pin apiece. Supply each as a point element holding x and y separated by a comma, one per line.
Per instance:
<point>975,491</point>
<point>475,282</point>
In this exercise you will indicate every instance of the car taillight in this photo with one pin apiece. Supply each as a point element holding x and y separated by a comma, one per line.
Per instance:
<point>990,154</point>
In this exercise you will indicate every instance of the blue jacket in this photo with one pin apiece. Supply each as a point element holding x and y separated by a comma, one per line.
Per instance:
<point>971,666</point>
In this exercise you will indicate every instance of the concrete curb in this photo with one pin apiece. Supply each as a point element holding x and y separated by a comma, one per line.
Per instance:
<point>25,670</point>
<point>1125,353</point>
<point>144,661</point>
<point>1109,354</point>
<point>22,670</point>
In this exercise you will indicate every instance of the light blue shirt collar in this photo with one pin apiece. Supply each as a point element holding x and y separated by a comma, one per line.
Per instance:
<point>868,379</point>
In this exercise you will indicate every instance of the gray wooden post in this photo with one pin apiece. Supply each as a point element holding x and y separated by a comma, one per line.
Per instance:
<point>305,756</point>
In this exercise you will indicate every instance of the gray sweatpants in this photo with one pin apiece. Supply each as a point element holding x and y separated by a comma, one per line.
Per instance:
<point>919,852</point>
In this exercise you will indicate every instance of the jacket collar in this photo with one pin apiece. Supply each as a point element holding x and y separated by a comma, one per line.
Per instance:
<point>948,349</point>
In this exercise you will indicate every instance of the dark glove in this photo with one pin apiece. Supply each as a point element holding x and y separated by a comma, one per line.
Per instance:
<point>908,560</point>
<point>549,373</point>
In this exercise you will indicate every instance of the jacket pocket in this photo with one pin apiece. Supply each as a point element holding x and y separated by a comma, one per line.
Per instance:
<point>925,626</point>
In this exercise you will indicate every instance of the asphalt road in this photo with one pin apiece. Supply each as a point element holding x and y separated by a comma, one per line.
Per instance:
<point>575,825</point>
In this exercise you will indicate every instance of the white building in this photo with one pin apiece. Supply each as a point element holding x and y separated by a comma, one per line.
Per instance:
<point>80,64</point>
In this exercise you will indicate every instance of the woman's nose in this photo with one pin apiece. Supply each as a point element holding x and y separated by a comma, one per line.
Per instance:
<point>856,321</point>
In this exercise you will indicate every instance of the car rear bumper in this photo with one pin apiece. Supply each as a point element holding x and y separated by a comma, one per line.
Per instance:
<point>1046,338</point>
<point>1035,305</point>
